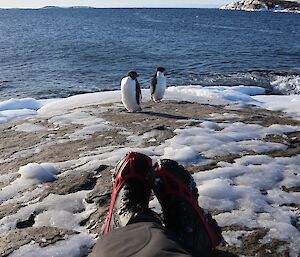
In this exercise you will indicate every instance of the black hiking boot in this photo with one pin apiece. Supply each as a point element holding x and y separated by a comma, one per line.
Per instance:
<point>131,192</point>
<point>197,232</point>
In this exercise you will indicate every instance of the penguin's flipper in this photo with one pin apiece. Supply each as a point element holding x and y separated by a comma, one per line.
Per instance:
<point>153,84</point>
<point>138,92</point>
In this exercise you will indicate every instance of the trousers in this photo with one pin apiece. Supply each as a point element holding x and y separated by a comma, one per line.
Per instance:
<point>144,239</point>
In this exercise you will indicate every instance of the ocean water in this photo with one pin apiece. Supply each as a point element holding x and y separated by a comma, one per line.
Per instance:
<point>50,53</point>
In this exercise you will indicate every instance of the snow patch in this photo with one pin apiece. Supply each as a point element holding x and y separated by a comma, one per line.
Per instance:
<point>285,103</point>
<point>76,246</point>
<point>38,172</point>
<point>67,211</point>
<point>210,140</point>
<point>28,127</point>
<point>32,173</point>
<point>19,104</point>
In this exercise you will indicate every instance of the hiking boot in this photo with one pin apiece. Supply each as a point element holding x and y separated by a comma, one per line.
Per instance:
<point>197,232</point>
<point>131,192</point>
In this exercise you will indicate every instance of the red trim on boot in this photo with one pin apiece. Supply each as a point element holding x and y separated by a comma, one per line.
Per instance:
<point>185,193</point>
<point>119,181</point>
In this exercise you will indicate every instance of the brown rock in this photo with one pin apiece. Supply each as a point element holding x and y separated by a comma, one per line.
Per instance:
<point>42,235</point>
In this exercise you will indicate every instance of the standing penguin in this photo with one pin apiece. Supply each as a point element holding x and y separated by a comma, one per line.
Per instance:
<point>158,85</point>
<point>131,92</point>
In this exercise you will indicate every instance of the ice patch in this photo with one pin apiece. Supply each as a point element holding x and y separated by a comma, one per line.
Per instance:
<point>26,196</point>
<point>286,84</point>
<point>210,140</point>
<point>57,218</point>
<point>155,205</point>
<point>211,125</point>
<point>14,109</point>
<point>90,130</point>
<point>233,238</point>
<point>250,190</point>
<point>32,173</point>
<point>11,115</point>
<point>245,218</point>
<point>28,127</point>
<point>6,177</point>
<point>215,95</point>
<point>285,103</point>
<point>181,153</point>
<point>259,146</point>
<point>84,117</point>
<point>241,96</point>
<point>62,105</point>
<point>248,90</point>
<point>75,246</point>
<point>19,104</point>
<point>224,196</point>
<point>34,149</point>
<point>224,116</point>
<point>38,172</point>
<point>72,206</point>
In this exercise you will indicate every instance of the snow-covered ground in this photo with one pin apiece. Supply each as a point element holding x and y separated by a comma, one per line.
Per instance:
<point>232,188</point>
<point>14,109</point>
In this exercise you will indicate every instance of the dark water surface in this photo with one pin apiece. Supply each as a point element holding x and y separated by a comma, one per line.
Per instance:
<point>60,52</point>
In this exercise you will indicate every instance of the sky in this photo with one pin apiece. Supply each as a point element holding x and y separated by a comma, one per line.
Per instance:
<point>112,3</point>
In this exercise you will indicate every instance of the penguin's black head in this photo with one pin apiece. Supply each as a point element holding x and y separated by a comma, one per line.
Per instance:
<point>132,74</point>
<point>161,69</point>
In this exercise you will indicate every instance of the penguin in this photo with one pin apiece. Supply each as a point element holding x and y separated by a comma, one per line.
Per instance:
<point>131,92</point>
<point>158,85</point>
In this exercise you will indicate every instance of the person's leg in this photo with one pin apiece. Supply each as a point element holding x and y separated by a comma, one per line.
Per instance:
<point>141,239</point>
<point>197,232</point>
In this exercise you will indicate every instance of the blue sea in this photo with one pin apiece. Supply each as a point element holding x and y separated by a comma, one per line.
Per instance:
<point>49,53</point>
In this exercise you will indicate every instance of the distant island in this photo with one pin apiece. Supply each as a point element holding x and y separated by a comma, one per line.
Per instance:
<point>264,5</point>
<point>70,7</point>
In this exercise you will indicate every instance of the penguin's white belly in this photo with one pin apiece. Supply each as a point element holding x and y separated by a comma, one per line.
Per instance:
<point>128,92</point>
<point>160,88</point>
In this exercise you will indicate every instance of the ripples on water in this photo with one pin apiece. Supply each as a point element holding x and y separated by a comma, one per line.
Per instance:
<point>61,52</point>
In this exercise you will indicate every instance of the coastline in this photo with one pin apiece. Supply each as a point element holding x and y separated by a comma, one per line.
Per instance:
<point>264,6</point>
<point>259,10</point>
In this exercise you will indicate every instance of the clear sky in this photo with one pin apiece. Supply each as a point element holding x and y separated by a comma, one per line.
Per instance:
<point>112,3</point>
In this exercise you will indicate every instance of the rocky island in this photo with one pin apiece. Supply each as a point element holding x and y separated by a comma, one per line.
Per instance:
<point>264,5</point>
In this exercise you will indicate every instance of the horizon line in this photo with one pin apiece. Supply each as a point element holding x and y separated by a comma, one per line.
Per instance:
<point>92,7</point>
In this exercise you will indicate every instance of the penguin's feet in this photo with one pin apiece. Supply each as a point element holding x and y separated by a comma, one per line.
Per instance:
<point>137,110</point>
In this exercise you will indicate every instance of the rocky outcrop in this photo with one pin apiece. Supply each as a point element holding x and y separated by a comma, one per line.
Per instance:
<point>264,5</point>
<point>43,236</point>
<point>82,170</point>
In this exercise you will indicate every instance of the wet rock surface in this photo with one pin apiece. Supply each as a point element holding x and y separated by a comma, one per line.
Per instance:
<point>253,247</point>
<point>43,236</point>
<point>71,184</point>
